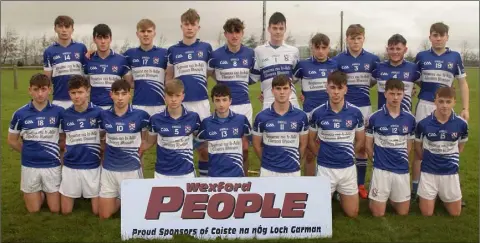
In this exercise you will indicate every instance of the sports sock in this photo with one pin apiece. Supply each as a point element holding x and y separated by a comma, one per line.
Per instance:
<point>361,170</point>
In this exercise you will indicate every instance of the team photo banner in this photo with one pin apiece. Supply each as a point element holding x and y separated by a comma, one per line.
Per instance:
<point>207,208</point>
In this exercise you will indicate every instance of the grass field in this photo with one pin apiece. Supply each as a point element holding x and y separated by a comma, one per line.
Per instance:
<point>20,226</point>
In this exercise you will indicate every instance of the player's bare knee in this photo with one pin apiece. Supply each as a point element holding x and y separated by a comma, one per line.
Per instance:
<point>66,211</point>
<point>402,212</point>
<point>352,213</point>
<point>426,212</point>
<point>33,209</point>
<point>104,214</point>
<point>455,213</point>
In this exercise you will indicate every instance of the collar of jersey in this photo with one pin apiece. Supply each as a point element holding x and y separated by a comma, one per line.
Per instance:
<point>55,43</point>
<point>184,112</point>
<point>401,64</point>
<point>329,108</point>
<point>314,60</point>
<point>290,108</point>
<point>447,50</point>
<point>451,118</point>
<point>270,45</point>
<point>230,52</point>
<point>154,47</point>
<point>387,113</point>
<point>129,110</point>
<point>348,53</point>
<point>32,107</point>
<point>89,107</point>
<point>180,43</point>
<point>230,115</point>
<point>112,53</point>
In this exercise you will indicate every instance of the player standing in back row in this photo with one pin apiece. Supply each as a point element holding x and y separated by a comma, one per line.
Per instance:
<point>188,61</point>
<point>275,58</point>
<point>63,59</point>
<point>439,67</point>
<point>358,64</point>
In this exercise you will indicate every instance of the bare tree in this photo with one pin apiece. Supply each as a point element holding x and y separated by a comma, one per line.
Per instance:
<point>126,45</point>
<point>425,45</point>
<point>162,40</point>
<point>251,41</point>
<point>24,50</point>
<point>88,41</point>
<point>410,57</point>
<point>9,44</point>
<point>290,39</point>
<point>221,39</point>
<point>465,51</point>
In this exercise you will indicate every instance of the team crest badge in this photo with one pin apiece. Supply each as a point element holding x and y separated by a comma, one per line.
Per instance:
<point>405,129</point>
<point>131,126</point>
<point>450,65</point>
<point>348,123</point>
<point>235,131</point>
<point>293,125</point>
<point>245,62</point>
<point>406,75</point>
<point>52,120</point>
<point>114,69</point>
<point>77,55</point>
<point>188,128</point>
<point>367,66</point>
<point>200,54</point>
<point>454,135</point>
<point>93,121</point>
<point>156,60</point>
<point>374,192</point>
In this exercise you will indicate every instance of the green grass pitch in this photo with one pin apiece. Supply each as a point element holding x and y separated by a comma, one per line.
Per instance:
<point>81,226</point>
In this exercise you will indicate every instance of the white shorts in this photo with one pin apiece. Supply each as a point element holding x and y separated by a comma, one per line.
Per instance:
<point>202,108</point>
<point>268,173</point>
<point>77,182</point>
<point>424,109</point>
<point>387,184</point>
<point>111,181</point>
<point>40,179</point>
<point>344,181</point>
<point>366,112</point>
<point>151,110</point>
<point>245,109</point>
<point>446,186</point>
<point>160,176</point>
<point>63,103</point>
<point>267,104</point>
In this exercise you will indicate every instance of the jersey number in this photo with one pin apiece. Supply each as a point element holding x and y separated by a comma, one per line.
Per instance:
<point>176,131</point>
<point>355,68</point>
<point>394,130</point>
<point>145,61</point>
<point>336,125</point>
<point>119,128</point>
<point>81,125</point>
<point>40,122</point>
<point>67,57</point>
<point>438,65</point>
<point>224,134</point>
<point>189,56</point>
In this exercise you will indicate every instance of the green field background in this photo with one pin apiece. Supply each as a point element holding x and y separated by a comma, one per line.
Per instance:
<point>81,226</point>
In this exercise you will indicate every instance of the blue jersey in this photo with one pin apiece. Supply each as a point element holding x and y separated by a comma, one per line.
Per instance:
<point>148,71</point>
<point>408,72</point>
<point>174,141</point>
<point>336,132</point>
<point>233,70</point>
<point>123,138</point>
<point>440,143</point>
<point>102,74</point>
<point>313,77</point>
<point>438,71</point>
<point>63,62</point>
<point>190,65</point>
<point>82,137</point>
<point>391,136</point>
<point>281,138</point>
<point>39,131</point>
<point>359,74</point>
<point>224,139</point>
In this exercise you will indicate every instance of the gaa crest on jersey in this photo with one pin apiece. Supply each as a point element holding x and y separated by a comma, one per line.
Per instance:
<point>114,69</point>
<point>77,55</point>
<point>93,121</point>
<point>405,129</point>
<point>406,75</point>
<point>293,125</point>
<point>450,65</point>
<point>245,62</point>
<point>235,131</point>
<point>188,128</point>
<point>52,120</point>
<point>367,66</point>
<point>131,126</point>
<point>200,54</point>
<point>156,60</point>
<point>348,123</point>
<point>454,135</point>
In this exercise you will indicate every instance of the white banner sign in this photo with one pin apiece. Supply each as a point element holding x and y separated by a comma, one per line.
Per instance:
<point>207,208</point>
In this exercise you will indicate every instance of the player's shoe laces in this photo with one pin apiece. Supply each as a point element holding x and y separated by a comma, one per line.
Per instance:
<point>362,191</point>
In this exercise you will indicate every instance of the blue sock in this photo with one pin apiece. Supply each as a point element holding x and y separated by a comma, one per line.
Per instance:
<point>203,168</point>
<point>361,170</point>
<point>414,187</point>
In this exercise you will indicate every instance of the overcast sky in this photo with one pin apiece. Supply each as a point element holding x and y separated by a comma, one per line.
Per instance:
<point>381,19</point>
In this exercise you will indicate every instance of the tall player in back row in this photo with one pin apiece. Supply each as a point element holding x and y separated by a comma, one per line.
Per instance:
<point>439,67</point>
<point>188,61</point>
<point>274,58</point>
<point>358,64</point>
<point>63,59</point>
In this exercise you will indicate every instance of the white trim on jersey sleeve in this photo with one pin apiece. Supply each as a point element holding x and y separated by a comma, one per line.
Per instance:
<point>359,129</point>
<point>13,131</point>
<point>313,129</point>
<point>304,132</point>
<point>255,133</point>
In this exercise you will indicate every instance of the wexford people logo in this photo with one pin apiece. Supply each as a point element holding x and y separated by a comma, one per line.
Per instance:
<point>131,126</point>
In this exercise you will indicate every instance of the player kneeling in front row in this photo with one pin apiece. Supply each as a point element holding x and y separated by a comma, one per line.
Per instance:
<point>439,139</point>
<point>339,127</point>
<point>280,133</point>
<point>123,126</point>
<point>390,133</point>
<point>81,162</point>
<point>226,135</point>
<point>37,124</point>
<point>173,129</point>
